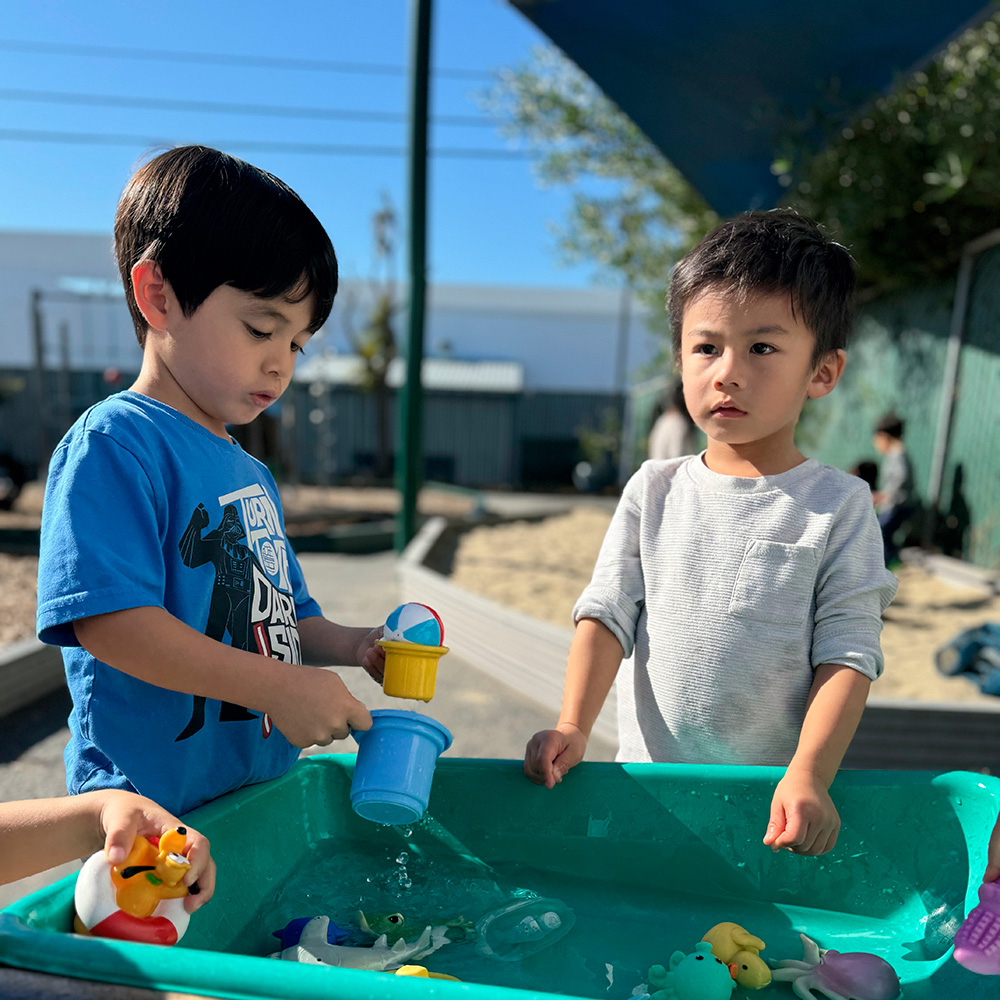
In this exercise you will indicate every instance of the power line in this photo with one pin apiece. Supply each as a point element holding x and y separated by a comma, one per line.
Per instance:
<point>223,107</point>
<point>228,59</point>
<point>308,148</point>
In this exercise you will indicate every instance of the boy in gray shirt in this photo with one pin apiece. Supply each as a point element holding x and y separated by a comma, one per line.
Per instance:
<point>746,585</point>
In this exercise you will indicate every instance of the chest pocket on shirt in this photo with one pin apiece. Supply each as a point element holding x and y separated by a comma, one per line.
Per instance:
<point>775,582</point>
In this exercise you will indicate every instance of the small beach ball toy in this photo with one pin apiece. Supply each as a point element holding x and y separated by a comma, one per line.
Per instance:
<point>415,623</point>
<point>412,640</point>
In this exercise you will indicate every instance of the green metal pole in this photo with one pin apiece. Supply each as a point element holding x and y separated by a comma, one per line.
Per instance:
<point>409,450</point>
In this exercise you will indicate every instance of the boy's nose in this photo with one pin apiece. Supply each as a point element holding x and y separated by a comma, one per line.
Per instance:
<point>280,363</point>
<point>727,372</point>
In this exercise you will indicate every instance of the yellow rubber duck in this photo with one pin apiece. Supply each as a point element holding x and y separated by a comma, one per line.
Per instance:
<point>739,949</point>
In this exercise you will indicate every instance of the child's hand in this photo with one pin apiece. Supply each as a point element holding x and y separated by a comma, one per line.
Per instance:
<point>993,855</point>
<point>317,709</point>
<point>552,752</point>
<point>803,817</point>
<point>124,815</point>
<point>371,655</point>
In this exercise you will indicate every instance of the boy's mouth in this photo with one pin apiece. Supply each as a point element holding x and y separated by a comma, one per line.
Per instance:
<point>727,410</point>
<point>263,399</point>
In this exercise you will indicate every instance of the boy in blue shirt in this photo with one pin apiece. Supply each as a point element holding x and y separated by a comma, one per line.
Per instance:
<point>165,573</point>
<point>745,585</point>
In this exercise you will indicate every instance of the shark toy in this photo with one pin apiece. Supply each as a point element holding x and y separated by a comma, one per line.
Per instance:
<point>314,946</point>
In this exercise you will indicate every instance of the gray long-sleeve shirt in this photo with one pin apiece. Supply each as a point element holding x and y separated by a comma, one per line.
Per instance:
<point>727,593</point>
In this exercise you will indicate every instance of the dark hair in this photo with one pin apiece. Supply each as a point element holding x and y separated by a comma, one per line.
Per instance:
<point>763,253</point>
<point>211,219</point>
<point>866,471</point>
<point>890,424</point>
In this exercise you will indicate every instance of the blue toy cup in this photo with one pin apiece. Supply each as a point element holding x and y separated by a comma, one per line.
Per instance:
<point>395,766</point>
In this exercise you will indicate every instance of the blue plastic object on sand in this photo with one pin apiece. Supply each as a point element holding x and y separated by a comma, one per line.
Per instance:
<point>522,927</point>
<point>976,653</point>
<point>395,766</point>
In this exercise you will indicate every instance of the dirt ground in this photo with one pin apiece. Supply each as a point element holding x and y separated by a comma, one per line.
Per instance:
<point>541,567</point>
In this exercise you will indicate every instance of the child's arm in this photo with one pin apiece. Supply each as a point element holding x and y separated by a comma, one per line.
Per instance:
<point>41,833</point>
<point>803,816</point>
<point>325,643</point>
<point>594,658</point>
<point>309,706</point>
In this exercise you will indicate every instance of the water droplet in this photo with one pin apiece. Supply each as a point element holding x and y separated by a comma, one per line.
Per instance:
<point>402,858</point>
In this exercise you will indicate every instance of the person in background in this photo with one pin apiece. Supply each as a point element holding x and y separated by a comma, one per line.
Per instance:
<point>673,432</point>
<point>894,496</point>
<point>867,471</point>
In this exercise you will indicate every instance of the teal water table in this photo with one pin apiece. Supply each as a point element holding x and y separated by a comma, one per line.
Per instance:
<point>647,856</point>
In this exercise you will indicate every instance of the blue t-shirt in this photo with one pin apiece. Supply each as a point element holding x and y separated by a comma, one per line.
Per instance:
<point>145,507</point>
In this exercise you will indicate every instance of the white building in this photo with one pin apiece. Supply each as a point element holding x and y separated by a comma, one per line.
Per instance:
<point>564,340</point>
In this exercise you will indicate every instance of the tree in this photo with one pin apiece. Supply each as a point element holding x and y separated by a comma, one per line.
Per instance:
<point>641,215</point>
<point>917,175</point>
<point>905,186</point>
<point>375,343</point>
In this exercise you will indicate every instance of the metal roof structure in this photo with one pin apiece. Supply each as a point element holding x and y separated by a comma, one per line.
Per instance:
<point>713,83</point>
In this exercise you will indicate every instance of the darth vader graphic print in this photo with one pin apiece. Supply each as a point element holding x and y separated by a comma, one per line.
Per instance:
<point>251,606</point>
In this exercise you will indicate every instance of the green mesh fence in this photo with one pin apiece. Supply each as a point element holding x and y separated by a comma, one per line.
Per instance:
<point>970,496</point>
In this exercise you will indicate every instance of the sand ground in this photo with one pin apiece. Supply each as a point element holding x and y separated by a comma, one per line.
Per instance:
<point>540,569</point>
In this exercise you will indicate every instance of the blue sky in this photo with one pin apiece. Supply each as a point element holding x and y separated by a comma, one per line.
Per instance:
<point>489,219</point>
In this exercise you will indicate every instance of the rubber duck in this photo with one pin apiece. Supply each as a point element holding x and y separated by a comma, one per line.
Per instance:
<point>740,950</point>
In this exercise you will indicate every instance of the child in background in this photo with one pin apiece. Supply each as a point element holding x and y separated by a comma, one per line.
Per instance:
<point>38,834</point>
<point>673,433</point>
<point>894,497</point>
<point>164,571</point>
<point>745,584</point>
<point>867,471</point>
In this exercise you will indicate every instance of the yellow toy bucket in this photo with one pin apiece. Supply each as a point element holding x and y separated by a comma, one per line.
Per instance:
<point>410,669</point>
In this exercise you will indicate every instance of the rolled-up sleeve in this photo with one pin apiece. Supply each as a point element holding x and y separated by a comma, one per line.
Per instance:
<point>616,592</point>
<point>853,589</point>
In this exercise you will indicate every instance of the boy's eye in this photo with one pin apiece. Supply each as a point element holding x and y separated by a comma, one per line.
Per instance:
<point>258,334</point>
<point>706,349</point>
<point>762,349</point>
<point>298,348</point>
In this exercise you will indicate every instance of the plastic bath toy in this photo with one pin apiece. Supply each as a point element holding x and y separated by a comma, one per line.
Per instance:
<point>412,640</point>
<point>698,976</point>
<point>394,768</point>
<point>414,623</point>
<point>977,943</point>
<point>396,925</point>
<point>142,899</point>
<point>522,927</point>
<point>852,975</point>
<point>740,950</point>
<point>313,946</point>
<point>421,973</point>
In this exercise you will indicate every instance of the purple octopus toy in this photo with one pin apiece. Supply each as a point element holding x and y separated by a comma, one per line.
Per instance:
<point>853,975</point>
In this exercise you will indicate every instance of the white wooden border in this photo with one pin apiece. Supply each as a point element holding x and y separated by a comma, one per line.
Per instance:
<point>29,670</point>
<point>513,648</point>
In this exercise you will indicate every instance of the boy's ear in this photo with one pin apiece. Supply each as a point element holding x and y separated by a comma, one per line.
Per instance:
<point>827,374</point>
<point>152,293</point>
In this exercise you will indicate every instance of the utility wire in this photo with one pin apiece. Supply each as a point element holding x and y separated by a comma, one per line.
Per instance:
<point>229,59</point>
<point>309,148</point>
<point>222,107</point>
